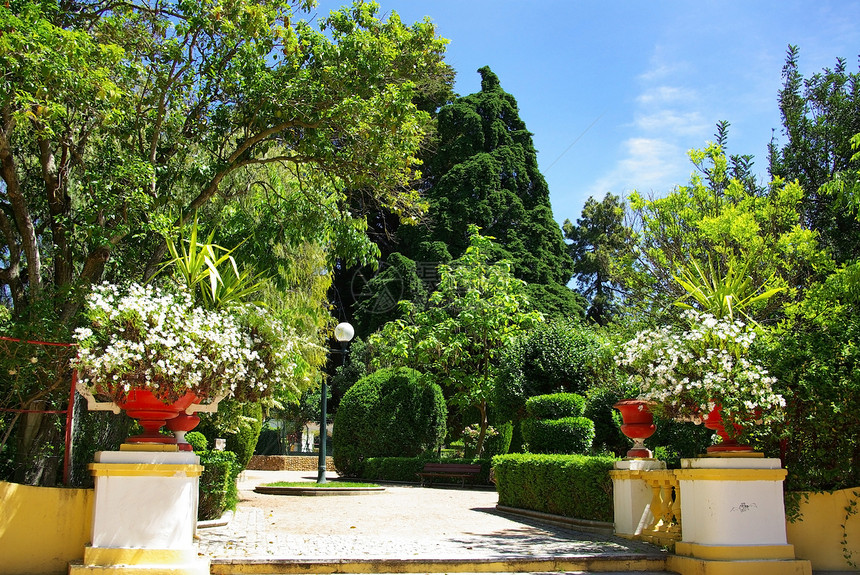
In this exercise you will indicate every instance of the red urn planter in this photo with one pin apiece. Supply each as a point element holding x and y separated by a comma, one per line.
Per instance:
<point>152,414</point>
<point>729,442</point>
<point>638,425</point>
<point>180,425</point>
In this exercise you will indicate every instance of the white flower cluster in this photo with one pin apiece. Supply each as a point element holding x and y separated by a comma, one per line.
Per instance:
<point>144,337</point>
<point>688,372</point>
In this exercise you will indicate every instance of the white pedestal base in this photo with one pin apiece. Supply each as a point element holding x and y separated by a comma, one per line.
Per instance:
<point>145,512</point>
<point>631,495</point>
<point>733,519</point>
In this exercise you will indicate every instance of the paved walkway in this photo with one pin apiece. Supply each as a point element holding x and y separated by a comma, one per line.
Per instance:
<point>403,522</point>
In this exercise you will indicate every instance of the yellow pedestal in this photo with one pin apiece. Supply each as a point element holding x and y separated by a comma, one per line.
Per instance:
<point>692,559</point>
<point>140,562</point>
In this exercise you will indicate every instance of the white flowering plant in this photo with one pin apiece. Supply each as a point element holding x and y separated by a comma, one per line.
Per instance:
<point>687,372</point>
<point>151,338</point>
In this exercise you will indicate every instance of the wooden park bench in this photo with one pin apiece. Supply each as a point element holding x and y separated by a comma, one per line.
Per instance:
<point>462,471</point>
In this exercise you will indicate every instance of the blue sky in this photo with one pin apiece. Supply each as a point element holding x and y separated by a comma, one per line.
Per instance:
<point>617,92</point>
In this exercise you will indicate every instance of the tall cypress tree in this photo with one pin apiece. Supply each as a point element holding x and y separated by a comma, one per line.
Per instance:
<point>485,172</point>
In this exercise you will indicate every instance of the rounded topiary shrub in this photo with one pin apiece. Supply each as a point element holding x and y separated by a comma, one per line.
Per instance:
<point>565,435</point>
<point>389,413</point>
<point>197,440</point>
<point>555,406</point>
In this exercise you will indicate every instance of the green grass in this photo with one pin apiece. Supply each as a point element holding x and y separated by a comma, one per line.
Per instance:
<point>315,485</point>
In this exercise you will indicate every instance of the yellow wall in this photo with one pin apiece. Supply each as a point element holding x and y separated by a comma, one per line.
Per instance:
<point>818,534</point>
<point>42,528</point>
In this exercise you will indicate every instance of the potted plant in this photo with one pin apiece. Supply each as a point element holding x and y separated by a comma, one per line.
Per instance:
<point>637,424</point>
<point>154,353</point>
<point>703,372</point>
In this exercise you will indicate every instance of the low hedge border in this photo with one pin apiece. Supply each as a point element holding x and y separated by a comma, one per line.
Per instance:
<point>406,469</point>
<point>570,485</point>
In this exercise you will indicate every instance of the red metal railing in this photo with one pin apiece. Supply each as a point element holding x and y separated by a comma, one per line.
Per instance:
<point>69,411</point>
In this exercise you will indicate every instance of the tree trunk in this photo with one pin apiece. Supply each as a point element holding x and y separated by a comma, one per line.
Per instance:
<point>59,206</point>
<point>23,221</point>
<point>482,408</point>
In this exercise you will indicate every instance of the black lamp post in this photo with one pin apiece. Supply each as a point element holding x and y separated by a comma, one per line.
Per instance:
<point>343,333</point>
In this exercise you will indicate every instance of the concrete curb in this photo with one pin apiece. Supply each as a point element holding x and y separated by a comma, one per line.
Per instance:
<point>586,525</point>
<point>625,563</point>
<point>316,491</point>
<point>220,522</point>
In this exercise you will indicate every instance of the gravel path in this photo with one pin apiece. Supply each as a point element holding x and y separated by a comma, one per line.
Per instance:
<point>405,522</point>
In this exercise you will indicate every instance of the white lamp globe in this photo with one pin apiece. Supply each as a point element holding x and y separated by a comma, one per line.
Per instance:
<point>344,332</point>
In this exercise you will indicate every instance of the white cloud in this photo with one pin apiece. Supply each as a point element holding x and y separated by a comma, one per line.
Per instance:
<point>659,95</point>
<point>672,122</point>
<point>648,164</point>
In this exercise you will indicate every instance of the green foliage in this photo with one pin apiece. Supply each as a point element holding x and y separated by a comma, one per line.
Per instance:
<point>197,440</point>
<point>816,361</point>
<point>406,469</point>
<point>557,301</point>
<point>397,280</point>
<point>749,236</point>
<point>598,242</point>
<point>555,406</point>
<point>477,309</point>
<point>242,438</point>
<point>607,421</point>
<point>844,187</point>
<point>571,485</point>
<point>346,375</point>
<point>557,356</point>
<point>499,442</point>
<point>673,440</point>
<point>209,271</point>
<point>218,491</point>
<point>723,296</point>
<point>564,435</point>
<point>392,468</point>
<point>819,117</point>
<point>392,412</point>
<point>485,173</point>
<point>152,100</point>
<point>239,424</point>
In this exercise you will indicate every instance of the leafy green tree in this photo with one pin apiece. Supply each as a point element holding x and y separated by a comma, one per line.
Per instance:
<point>119,122</point>
<point>477,309</point>
<point>820,114</point>
<point>485,172</point>
<point>598,241</point>
<point>114,117</point>
<point>845,185</point>
<point>389,413</point>
<point>718,223</point>
<point>816,361</point>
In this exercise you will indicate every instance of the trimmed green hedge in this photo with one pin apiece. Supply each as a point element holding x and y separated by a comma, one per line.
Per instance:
<point>570,485</point>
<point>555,406</point>
<point>500,443</point>
<point>567,435</point>
<point>218,490</point>
<point>407,468</point>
